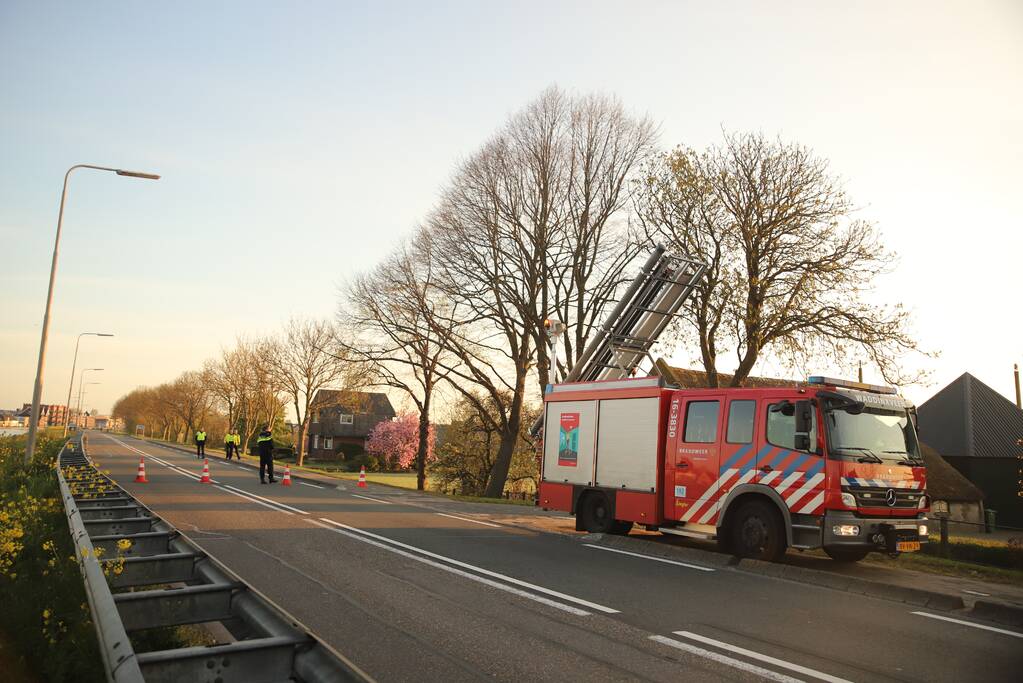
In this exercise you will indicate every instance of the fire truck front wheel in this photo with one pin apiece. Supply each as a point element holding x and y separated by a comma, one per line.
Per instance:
<point>756,531</point>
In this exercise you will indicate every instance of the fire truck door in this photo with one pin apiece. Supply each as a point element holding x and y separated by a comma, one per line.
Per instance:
<point>696,456</point>
<point>796,475</point>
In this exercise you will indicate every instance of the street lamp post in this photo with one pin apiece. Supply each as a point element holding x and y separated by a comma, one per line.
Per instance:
<point>81,379</point>
<point>71,384</point>
<point>82,424</point>
<point>37,391</point>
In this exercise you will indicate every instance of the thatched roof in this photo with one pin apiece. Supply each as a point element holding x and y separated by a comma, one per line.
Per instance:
<point>944,482</point>
<point>697,379</point>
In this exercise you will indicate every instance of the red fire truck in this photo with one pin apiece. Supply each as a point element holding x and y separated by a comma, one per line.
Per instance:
<point>827,464</point>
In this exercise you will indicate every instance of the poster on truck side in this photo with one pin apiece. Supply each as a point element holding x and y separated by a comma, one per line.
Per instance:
<point>568,445</point>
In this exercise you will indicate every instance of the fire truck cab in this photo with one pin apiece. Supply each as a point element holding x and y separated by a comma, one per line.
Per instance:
<point>827,464</point>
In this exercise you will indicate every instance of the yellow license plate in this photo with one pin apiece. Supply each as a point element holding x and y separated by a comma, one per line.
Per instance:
<point>907,546</point>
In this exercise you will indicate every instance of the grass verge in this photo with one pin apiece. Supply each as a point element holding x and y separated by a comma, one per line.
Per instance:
<point>931,564</point>
<point>46,629</point>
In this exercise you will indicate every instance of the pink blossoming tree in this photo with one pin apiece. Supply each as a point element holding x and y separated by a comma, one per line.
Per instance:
<point>396,441</point>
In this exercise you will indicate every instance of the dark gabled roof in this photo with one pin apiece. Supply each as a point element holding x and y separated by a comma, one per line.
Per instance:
<point>944,482</point>
<point>969,418</point>
<point>697,379</point>
<point>367,402</point>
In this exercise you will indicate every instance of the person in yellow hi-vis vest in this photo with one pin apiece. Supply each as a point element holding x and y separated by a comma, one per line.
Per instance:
<point>200,444</point>
<point>228,443</point>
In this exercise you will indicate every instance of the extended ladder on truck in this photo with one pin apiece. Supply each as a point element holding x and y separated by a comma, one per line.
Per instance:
<point>637,321</point>
<point>634,325</point>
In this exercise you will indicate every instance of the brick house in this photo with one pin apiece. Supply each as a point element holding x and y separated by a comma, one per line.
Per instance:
<point>340,422</point>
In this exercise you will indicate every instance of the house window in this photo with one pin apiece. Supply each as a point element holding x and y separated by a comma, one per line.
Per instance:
<point>328,442</point>
<point>347,419</point>
<point>316,416</point>
<point>316,440</point>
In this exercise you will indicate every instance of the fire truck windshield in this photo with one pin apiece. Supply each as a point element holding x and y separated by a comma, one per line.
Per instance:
<point>873,435</point>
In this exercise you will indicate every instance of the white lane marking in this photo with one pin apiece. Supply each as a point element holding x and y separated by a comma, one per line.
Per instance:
<point>459,572</point>
<point>764,658</point>
<point>985,595</point>
<point>253,500</point>
<point>269,500</point>
<point>727,661</point>
<point>1014,634</point>
<point>466,519</point>
<point>481,570</point>
<point>315,486</point>
<point>649,557</point>
<point>375,500</point>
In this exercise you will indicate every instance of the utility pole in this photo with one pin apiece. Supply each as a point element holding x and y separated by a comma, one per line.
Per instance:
<point>1015,372</point>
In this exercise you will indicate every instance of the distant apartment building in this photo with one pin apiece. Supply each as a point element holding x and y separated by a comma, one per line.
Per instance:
<point>50,415</point>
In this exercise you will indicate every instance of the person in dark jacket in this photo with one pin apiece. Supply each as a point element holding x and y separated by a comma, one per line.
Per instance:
<point>265,445</point>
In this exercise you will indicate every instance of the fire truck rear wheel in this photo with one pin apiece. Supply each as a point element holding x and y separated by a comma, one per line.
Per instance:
<point>756,532</point>
<point>595,514</point>
<point>846,554</point>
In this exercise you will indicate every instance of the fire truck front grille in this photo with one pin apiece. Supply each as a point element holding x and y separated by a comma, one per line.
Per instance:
<point>878,498</point>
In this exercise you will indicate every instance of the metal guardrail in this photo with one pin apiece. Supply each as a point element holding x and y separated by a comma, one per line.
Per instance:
<point>164,579</point>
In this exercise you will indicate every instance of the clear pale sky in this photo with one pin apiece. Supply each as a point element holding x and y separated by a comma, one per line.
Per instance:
<point>299,141</point>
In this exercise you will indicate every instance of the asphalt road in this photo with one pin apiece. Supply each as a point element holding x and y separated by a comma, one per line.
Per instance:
<point>412,590</point>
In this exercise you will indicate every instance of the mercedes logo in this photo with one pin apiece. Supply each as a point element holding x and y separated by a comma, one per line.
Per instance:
<point>890,497</point>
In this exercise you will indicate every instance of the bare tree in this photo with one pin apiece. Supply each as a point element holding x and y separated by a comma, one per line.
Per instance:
<point>390,316</point>
<point>303,360</point>
<point>789,264</point>
<point>533,224</point>
<point>189,399</point>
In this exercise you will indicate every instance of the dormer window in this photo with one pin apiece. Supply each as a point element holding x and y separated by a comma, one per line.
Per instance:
<point>347,419</point>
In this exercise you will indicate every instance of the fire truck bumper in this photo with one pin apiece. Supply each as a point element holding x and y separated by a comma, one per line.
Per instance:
<point>883,534</point>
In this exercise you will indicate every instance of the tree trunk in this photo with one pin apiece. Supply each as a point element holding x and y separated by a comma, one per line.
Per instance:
<point>424,442</point>
<point>509,439</point>
<point>299,447</point>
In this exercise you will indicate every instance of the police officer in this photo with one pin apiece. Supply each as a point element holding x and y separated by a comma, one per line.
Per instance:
<point>236,439</point>
<point>228,443</point>
<point>265,444</point>
<point>200,444</point>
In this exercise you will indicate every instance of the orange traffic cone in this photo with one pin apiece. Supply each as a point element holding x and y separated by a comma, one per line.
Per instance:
<point>205,472</point>
<point>362,477</point>
<point>287,476</point>
<point>140,478</point>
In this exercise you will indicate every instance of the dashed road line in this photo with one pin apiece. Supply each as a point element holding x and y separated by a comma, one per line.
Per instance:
<point>1014,634</point>
<point>472,567</point>
<point>375,500</point>
<point>466,519</point>
<point>767,659</point>
<point>452,570</point>
<point>649,557</point>
<point>268,500</point>
<point>226,489</point>
<point>315,486</point>
<point>727,661</point>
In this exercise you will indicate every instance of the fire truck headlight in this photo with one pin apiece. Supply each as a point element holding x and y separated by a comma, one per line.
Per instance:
<point>845,530</point>
<point>922,530</point>
<point>848,500</point>
<point>922,503</point>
